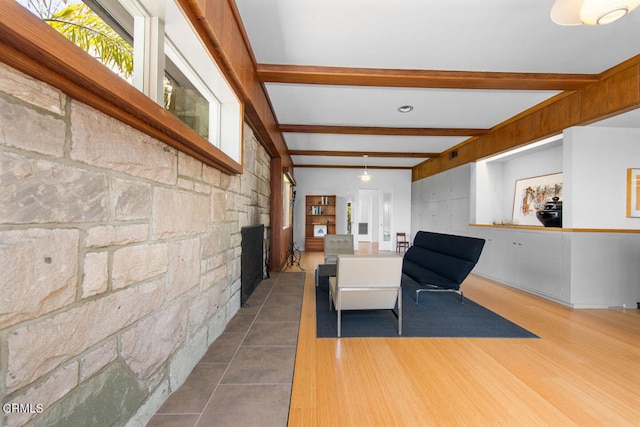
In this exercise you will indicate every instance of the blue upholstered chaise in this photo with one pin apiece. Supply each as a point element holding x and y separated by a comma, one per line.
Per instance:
<point>441,262</point>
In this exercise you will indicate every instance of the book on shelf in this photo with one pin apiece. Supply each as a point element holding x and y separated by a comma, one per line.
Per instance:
<point>316,210</point>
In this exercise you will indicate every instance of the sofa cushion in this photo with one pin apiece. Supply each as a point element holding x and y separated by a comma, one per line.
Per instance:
<point>463,247</point>
<point>427,277</point>
<point>452,268</point>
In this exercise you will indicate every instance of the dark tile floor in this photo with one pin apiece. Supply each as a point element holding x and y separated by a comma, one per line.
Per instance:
<point>245,377</point>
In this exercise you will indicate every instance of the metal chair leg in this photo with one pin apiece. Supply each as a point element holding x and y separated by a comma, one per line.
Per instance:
<point>399,311</point>
<point>339,309</point>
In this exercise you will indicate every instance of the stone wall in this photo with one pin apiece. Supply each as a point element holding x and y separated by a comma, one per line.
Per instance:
<point>119,259</point>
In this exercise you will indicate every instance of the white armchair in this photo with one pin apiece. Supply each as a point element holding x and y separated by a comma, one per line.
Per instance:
<point>367,282</point>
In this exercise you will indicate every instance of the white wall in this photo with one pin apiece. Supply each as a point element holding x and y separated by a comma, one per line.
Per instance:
<point>344,183</point>
<point>441,203</point>
<point>599,269</point>
<point>495,182</point>
<point>536,164</point>
<point>595,167</point>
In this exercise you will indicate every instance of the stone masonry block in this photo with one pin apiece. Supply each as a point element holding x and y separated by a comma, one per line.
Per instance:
<point>131,200</point>
<point>96,274</point>
<point>148,409</point>
<point>233,269</point>
<point>243,219</point>
<point>47,393</point>
<point>97,359</point>
<point>248,183</point>
<point>223,232</point>
<point>133,264</point>
<point>185,267</point>
<point>149,344</point>
<point>103,236</point>
<point>264,219</point>
<point>38,191</point>
<point>203,306</point>
<point>219,205</point>
<point>39,272</point>
<point>225,181</point>
<point>30,90</point>
<point>186,358</point>
<point>249,165</point>
<point>30,130</point>
<point>39,347</point>
<point>185,183</point>
<point>215,277</point>
<point>202,188</point>
<point>217,324</point>
<point>108,399</point>
<point>179,213</point>
<point>209,245</point>
<point>102,141</point>
<point>211,175</point>
<point>234,183</point>
<point>188,166</point>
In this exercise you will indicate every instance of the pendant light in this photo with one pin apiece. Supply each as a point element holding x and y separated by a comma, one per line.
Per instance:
<point>365,177</point>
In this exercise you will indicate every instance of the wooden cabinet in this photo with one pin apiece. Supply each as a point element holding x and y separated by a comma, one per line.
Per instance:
<point>527,259</point>
<point>320,219</point>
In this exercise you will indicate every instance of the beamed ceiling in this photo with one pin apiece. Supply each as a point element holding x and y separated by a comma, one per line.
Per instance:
<point>336,71</point>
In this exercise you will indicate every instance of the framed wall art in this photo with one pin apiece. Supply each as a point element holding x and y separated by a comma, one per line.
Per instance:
<point>319,230</point>
<point>633,193</point>
<point>531,194</point>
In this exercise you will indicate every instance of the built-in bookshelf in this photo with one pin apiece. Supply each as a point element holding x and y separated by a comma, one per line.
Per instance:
<point>320,219</point>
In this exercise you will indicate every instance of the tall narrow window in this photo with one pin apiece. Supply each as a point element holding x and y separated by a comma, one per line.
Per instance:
<point>287,201</point>
<point>185,101</point>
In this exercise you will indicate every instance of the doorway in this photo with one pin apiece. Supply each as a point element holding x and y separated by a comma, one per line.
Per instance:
<point>365,218</point>
<point>374,219</point>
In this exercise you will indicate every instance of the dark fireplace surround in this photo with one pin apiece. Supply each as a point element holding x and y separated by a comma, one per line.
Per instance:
<point>252,260</point>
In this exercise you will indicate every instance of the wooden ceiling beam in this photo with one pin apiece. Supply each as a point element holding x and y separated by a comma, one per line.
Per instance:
<point>361,154</point>
<point>353,167</point>
<point>374,130</point>
<point>274,73</point>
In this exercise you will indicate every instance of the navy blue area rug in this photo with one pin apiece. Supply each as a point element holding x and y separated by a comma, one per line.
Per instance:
<point>437,314</point>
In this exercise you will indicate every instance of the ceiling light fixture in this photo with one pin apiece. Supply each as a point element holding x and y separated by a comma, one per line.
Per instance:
<point>590,12</point>
<point>365,177</point>
<point>405,108</point>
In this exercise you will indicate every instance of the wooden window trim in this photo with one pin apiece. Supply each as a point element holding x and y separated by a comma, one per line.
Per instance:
<point>32,47</point>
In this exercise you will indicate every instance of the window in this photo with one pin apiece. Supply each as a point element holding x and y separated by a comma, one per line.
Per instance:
<point>151,44</point>
<point>183,99</point>
<point>288,199</point>
<point>185,51</point>
<point>91,28</point>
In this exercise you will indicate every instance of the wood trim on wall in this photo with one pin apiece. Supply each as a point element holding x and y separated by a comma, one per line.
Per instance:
<point>552,229</point>
<point>34,48</point>
<point>616,91</point>
<point>279,240</point>
<point>219,26</point>
<point>354,167</point>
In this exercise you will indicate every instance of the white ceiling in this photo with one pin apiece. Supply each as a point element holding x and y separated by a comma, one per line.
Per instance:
<point>463,35</point>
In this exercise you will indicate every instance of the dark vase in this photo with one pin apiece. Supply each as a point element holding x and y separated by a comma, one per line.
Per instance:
<point>551,214</point>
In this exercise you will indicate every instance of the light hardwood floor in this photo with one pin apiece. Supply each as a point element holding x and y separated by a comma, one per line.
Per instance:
<point>584,370</point>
